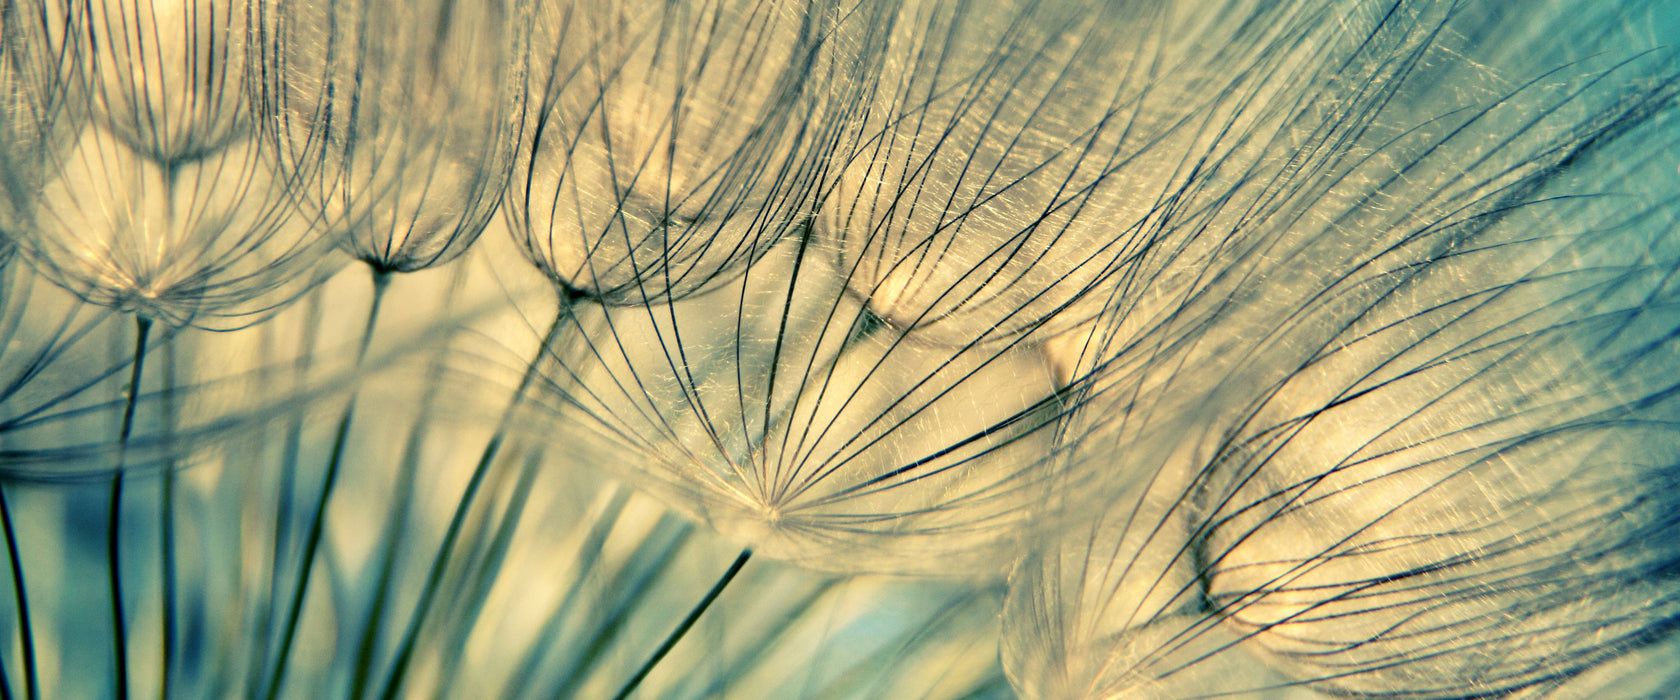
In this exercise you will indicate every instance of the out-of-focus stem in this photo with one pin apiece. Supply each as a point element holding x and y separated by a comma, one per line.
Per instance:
<point>166,526</point>
<point>286,492</point>
<point>434,578</point>
<point>317,525</point>
<point>396,524</point>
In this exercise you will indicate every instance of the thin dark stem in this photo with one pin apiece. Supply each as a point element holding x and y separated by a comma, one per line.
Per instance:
<point>113,529</point>
<point>317,525</point>
<point>687,623</point>
<point>396,525</point>
<point>25,631</point>
<point>434,578</point>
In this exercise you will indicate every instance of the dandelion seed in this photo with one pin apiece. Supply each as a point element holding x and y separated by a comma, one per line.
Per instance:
<point>168,79</point>
<point>402,143</point>
<point>161,205</point>
<point>668,142</point>
<point>798,427</point>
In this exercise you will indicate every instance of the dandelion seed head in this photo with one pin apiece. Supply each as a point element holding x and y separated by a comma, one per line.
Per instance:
<point>1415,497</point>
<point>668,142</point>
<point>184,244</point>
<point>970,204</point>
<point>168,77</point>
<point>1435,524</point>
<point>34,105</point>
<point>399,144</point>
<point>809,432</point>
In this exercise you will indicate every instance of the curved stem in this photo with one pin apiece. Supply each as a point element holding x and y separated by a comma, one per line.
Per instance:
<point>113,529</point>
<point>317,525</point>
<point>391,537</point>
<point>291,455</point>
<point>397,523</point>
<point>687,623</point>
<point>25,631</point>
<point>434,577</point>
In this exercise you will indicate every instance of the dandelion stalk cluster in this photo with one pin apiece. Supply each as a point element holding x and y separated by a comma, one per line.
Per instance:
<point>677,349</point>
